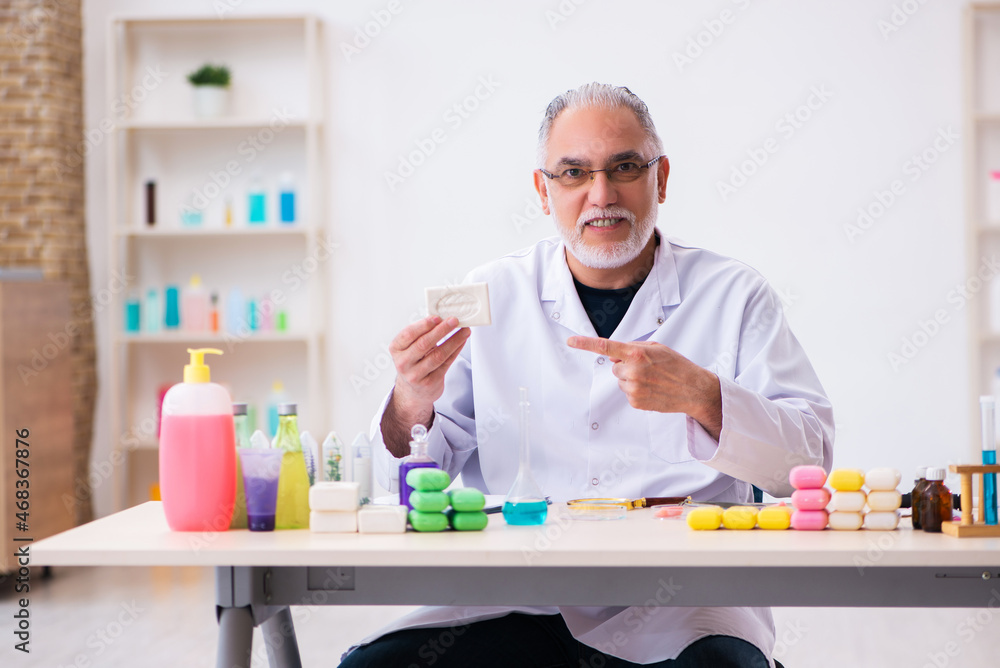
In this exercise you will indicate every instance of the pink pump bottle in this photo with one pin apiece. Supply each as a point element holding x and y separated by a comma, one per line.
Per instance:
<point>198,451</point>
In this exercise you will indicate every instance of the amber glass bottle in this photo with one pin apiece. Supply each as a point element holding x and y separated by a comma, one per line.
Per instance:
<point>935,502</point>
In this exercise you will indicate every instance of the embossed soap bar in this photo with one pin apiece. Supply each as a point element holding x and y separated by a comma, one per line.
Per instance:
<point>470,303</point>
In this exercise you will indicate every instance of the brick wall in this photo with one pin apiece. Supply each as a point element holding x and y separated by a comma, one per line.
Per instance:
<point>41,179</point>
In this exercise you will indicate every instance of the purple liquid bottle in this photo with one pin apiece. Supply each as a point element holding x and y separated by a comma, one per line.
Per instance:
<point>417,459</point>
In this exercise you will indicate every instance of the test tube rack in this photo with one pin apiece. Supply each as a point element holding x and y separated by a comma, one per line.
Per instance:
<point>968,527</point>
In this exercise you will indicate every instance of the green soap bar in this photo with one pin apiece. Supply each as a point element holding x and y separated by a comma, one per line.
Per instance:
<point>428,502</point>
<point>467,499</point>
<point>468,521</point>
<point>428,521</point>
<point>428,479</point>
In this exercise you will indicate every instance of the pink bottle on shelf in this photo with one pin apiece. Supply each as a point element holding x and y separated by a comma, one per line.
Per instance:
<point>198,451</point>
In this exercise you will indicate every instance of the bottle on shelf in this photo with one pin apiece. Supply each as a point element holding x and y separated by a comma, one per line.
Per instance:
<point>153,319</point>
<point>293,484</point>
<point>235,311</point>
<point>194,306</point>
<point>228,211</point>
<point>171,310</point>
<point>133,316</point>
<point>935,501</point>
<point>256,201</point>
<point>150,203</point>
<point>197,453</point>
<point>286,197</point>
<point>253,315</point>
<point>993,198</point>
<point>213,313</point>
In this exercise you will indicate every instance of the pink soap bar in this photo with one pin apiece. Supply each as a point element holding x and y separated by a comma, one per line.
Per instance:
<point>810,499</point>
<point>807,477</point>
<point>809,520</point>
<point>668,511</point>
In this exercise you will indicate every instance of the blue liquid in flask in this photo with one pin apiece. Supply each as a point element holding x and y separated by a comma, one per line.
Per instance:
<point>990,488</point>
<point>525,513</point>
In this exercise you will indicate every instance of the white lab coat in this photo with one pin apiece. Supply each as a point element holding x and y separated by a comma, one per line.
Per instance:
<point>588,441</point>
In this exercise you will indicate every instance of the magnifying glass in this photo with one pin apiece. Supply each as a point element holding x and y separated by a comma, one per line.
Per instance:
<point>630,504</point>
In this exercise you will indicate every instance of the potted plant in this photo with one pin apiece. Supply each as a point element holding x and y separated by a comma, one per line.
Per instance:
<point>211,90</point>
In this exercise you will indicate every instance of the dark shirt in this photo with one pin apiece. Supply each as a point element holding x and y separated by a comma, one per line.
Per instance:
<point>606,308</point>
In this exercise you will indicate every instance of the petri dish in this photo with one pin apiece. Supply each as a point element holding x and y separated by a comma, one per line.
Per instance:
<point>597,511</point>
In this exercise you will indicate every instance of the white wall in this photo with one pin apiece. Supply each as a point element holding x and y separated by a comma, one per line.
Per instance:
<point>850,301</point>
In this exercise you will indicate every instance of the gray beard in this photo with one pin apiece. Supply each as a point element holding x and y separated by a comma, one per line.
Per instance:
<point>617,254</point>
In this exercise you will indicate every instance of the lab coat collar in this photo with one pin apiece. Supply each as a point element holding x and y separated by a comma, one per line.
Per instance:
<point>648,310</point>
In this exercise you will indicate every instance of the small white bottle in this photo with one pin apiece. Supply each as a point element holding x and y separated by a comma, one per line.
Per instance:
<point>361,467</point>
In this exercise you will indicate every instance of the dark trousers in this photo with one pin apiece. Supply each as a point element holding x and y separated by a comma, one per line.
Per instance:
<point>530,641</point>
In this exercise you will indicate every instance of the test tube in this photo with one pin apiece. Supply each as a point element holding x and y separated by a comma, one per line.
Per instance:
<point>988,495</point>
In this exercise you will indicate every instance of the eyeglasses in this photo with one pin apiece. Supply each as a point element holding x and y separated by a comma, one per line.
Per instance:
<point>621,172</point>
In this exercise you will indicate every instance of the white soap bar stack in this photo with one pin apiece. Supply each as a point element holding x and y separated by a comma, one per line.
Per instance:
<point>382,519</point>
<point>883,499</point>
<point>334,507</point>
<point>847,510</point>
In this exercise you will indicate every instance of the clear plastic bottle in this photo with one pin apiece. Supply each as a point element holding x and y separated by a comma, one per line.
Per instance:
<point>417,459</point>
<point>361,467</point>
<point>241,427</point>
<point>256,201</point>
<point>198,451</point>
<point>286,198</point>
<point>919,485</point>
<point>153,319</point>
<point>194,306</point>
<point>935,502</point>
<point>293,484</point>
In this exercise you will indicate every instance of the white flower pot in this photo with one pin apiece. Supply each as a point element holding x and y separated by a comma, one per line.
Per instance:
<point>211,101</point>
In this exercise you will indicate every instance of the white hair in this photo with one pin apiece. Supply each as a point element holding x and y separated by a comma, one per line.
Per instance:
<point>596,95</point>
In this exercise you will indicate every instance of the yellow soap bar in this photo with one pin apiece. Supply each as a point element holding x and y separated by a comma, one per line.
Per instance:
<point>846,480</point>
<point>705,518</point>
<point>775,517</point>
<point>740,517</point>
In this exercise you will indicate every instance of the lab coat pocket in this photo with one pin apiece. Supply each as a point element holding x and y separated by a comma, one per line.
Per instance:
<point>668,437</point>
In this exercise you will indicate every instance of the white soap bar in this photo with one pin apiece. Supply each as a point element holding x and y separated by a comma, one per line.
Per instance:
<point>470,303</point>
<point>847,502</point>
<point>882,521</point>
<point>884,501</point>
<point>382,519</point>
<point>339,496</point>
<point>321,521</point>
<point>883,479</point>
<point>844,521</point>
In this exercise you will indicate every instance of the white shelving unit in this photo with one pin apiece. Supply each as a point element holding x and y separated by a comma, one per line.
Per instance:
<point>275,126</point>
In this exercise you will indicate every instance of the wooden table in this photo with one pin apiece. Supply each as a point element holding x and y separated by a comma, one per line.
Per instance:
<point>641,560</point>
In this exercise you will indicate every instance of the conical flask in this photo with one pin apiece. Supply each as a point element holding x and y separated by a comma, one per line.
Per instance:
<point>525,504</point>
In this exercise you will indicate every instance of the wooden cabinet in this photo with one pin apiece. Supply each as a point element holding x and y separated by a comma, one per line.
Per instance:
<point>36,396</point>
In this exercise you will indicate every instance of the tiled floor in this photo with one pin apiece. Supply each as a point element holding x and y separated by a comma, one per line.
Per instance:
<point>164,617</point>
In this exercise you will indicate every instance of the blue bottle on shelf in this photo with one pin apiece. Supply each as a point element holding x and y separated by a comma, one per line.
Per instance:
<point>286,197</point>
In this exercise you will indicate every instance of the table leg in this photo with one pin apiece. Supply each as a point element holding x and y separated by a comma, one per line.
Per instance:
<point>279,637</point>
<point>235,638</point>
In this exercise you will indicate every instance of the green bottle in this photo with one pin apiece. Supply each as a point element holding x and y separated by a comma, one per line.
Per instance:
<point>241,424</point>
<point>293,483</point>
